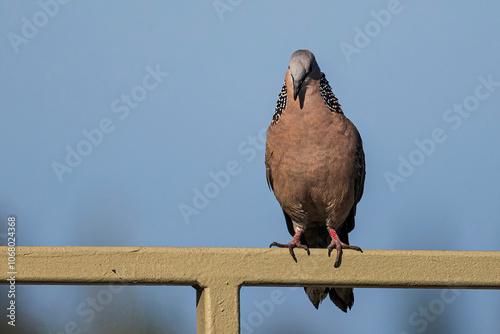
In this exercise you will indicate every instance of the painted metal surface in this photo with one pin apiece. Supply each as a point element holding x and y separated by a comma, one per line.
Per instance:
<point>219,273</point>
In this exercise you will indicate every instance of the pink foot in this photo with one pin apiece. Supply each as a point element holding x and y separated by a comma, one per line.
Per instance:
<point>295,243</point>
<point>339,245</point>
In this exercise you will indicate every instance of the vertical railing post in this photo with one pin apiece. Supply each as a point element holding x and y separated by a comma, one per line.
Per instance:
<point>218,308</point>
<point>200,309</point>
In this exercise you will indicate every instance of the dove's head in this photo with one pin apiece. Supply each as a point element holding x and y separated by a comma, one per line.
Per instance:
<point>302,67</point>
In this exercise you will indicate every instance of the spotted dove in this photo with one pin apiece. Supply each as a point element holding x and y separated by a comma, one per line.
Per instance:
<point>315,165</point>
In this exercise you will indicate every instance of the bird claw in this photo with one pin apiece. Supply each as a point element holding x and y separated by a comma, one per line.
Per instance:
<point>291,245</point>
<point>339,245</point>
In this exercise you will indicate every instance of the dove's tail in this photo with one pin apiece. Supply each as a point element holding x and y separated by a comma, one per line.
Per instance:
<point>316,295</point>
<point>342,297</point>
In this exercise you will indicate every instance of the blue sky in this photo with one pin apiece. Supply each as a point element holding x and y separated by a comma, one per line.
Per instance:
<point>116,116</point>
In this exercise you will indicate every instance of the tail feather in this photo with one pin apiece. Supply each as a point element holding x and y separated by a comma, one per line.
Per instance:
<point>316,295</point>
<point>342,297</point>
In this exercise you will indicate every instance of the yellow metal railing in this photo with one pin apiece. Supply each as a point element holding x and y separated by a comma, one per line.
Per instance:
<point>217,274</point>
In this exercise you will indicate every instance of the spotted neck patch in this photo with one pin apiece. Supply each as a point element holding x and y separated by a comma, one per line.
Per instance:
<point>280,105</point>
<point>326,93</point>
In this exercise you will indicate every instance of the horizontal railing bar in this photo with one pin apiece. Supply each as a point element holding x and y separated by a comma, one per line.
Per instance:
<point>252,267</point>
